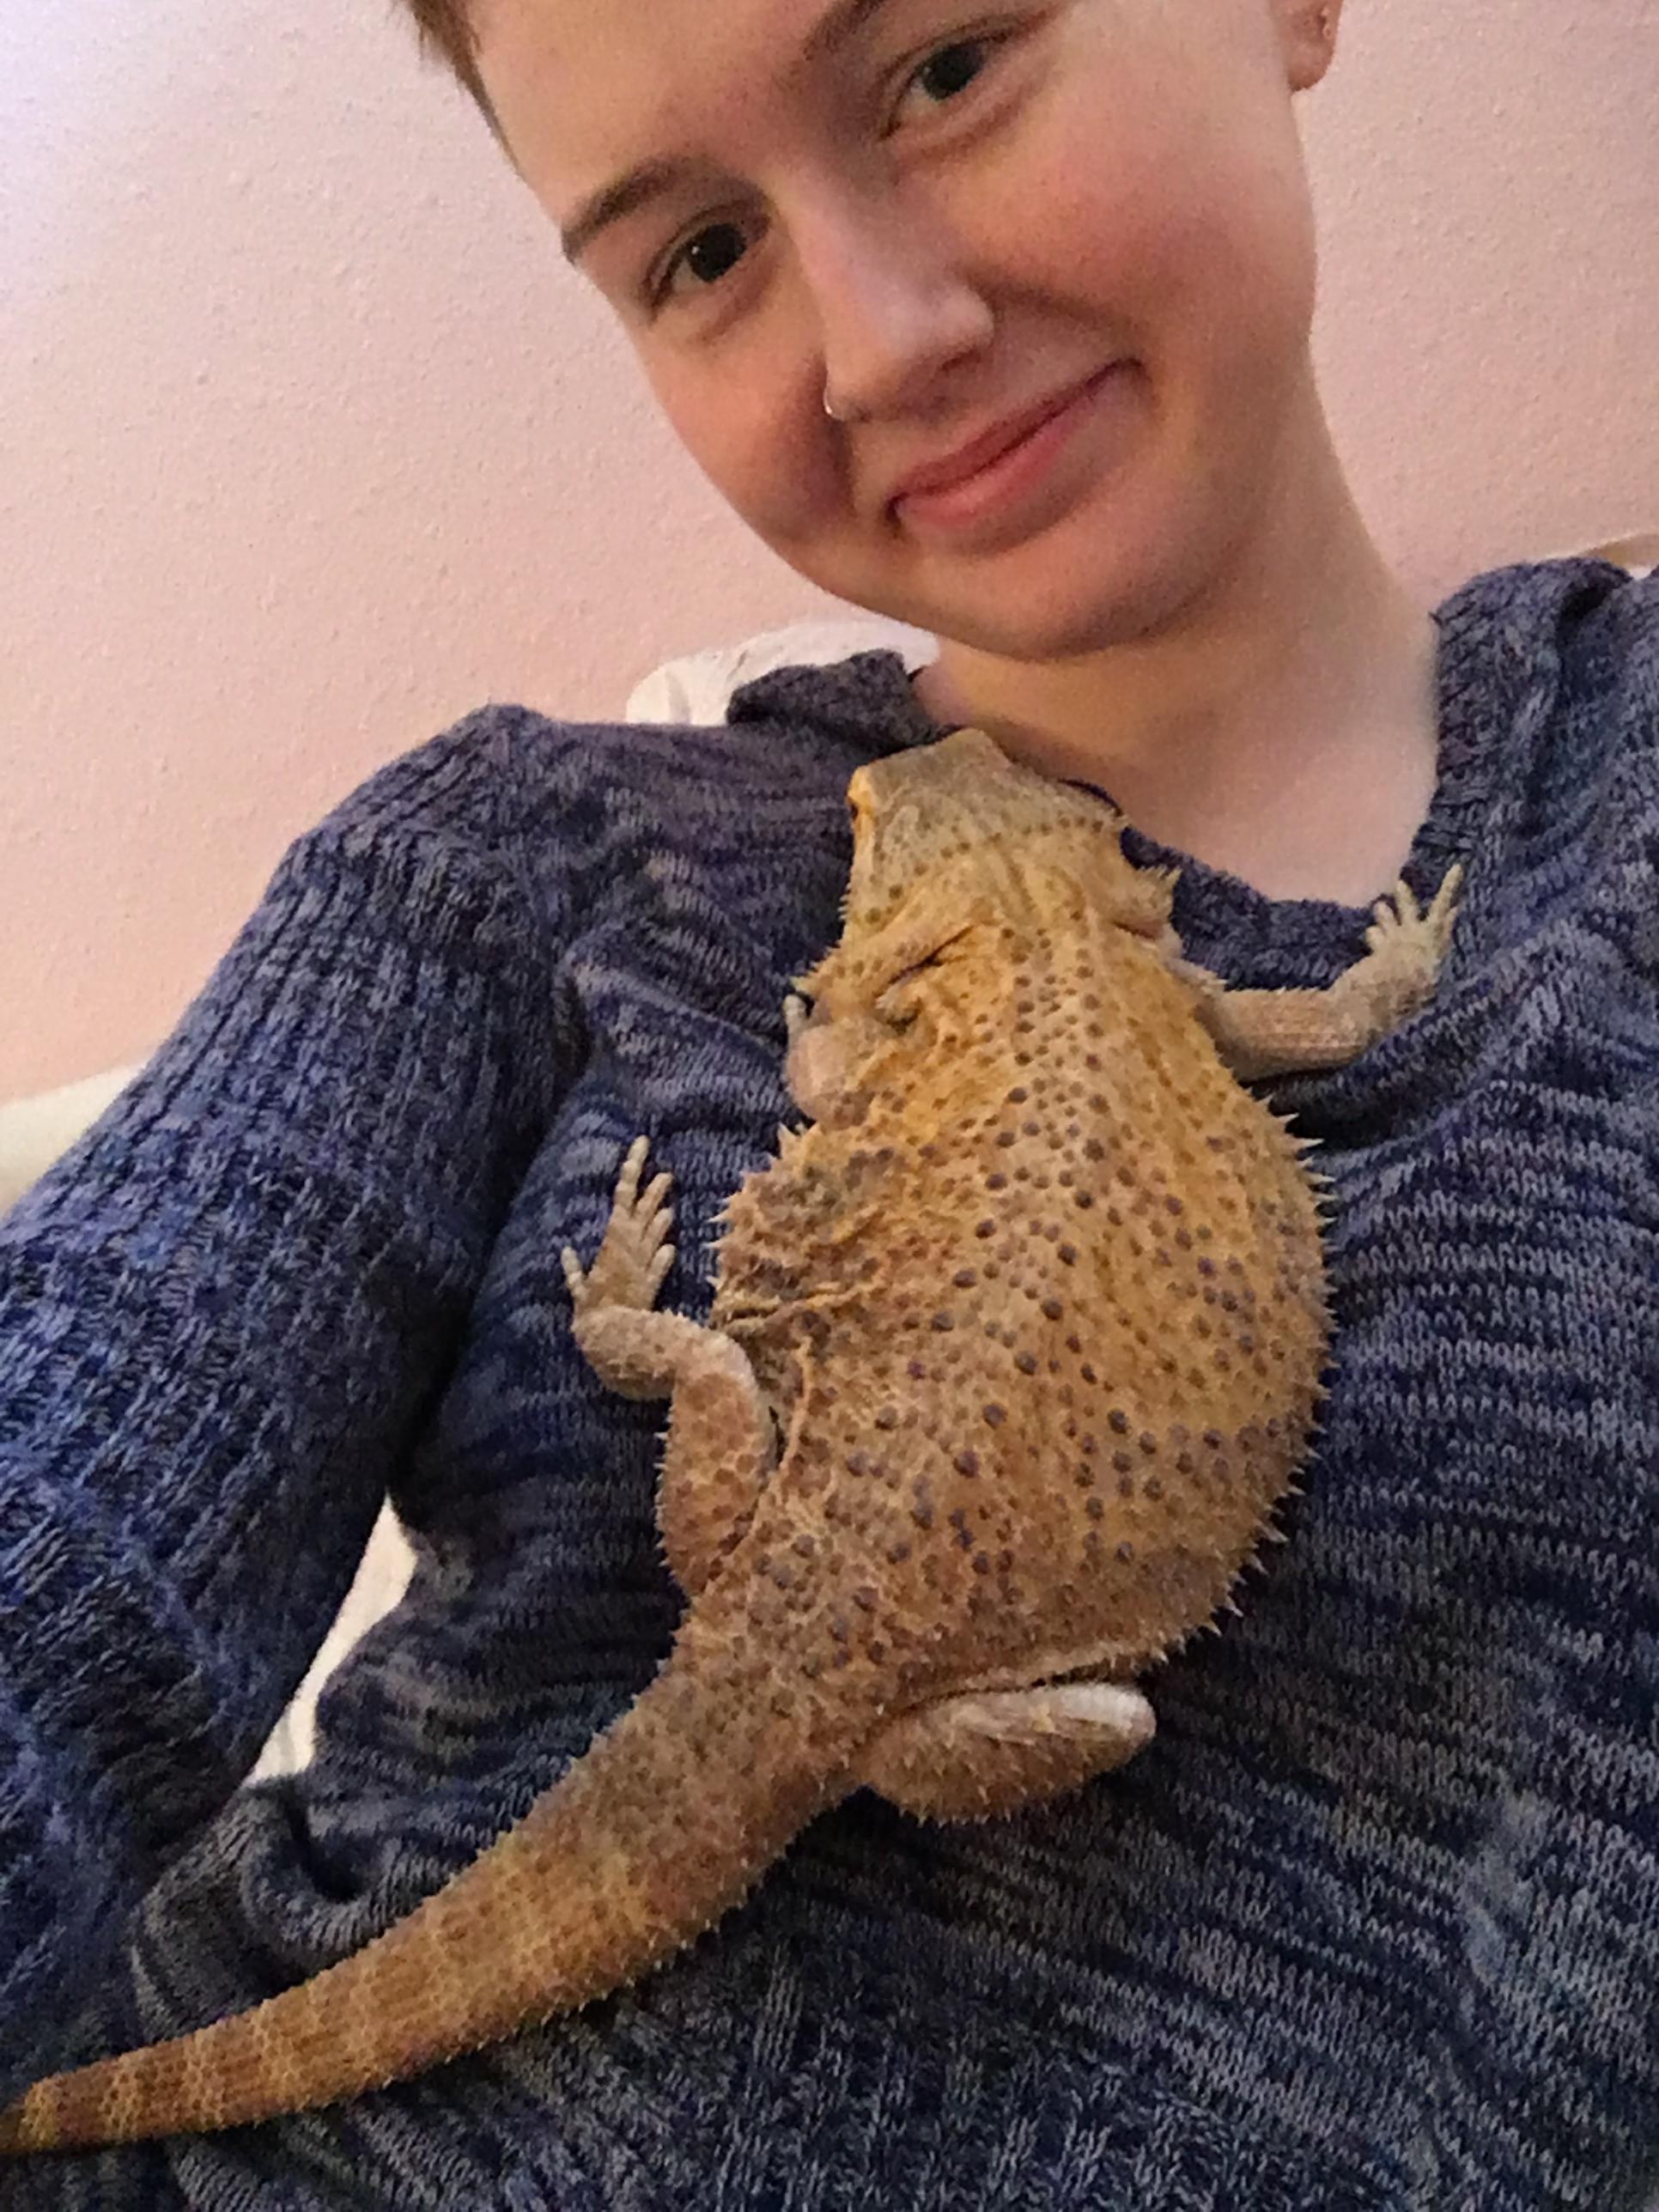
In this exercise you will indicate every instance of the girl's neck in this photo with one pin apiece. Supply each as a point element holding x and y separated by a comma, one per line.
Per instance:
<point>1281,723</point>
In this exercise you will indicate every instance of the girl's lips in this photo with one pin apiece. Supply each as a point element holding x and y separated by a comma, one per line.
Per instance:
<point>990,496</point>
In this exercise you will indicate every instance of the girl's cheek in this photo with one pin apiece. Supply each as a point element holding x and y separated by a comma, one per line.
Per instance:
<point>766,452</point>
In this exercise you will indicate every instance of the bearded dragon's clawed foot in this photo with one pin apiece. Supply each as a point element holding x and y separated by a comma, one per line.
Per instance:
<point>634,1256</point>
<point>998,1751</point>
<point>1406,946</point>
<point>635,1350</point>
<point>721,1446</point>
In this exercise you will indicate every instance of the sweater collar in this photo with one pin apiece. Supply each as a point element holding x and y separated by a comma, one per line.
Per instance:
<point>1502,636</point>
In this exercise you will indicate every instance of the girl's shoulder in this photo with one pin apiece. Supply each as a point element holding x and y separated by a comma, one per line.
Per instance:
<point>1608,639</point>
<point>507,768</point>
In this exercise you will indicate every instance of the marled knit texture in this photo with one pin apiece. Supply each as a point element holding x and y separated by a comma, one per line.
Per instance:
<point>1373,1922</point>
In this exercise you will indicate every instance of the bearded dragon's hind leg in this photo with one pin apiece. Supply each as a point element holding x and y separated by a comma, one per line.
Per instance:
<point>722,1447</point>
<point>997,1751</point>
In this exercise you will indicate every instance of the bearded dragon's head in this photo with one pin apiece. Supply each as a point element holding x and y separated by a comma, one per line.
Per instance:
<point>955,835</point>
<point>941,810</point>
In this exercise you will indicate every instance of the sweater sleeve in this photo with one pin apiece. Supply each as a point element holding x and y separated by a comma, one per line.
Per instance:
<point>223,1316</point>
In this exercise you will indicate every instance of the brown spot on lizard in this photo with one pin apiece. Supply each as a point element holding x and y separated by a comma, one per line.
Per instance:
<point>1012,1352</point>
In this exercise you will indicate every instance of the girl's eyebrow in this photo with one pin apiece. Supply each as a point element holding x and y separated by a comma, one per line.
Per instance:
<point>652,180</point>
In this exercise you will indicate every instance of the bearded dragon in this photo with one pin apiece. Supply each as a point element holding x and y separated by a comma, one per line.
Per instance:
<point>1013,1350</point>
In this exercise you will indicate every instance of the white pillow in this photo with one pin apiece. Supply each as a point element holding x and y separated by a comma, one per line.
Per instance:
<point>698,687</point>
<point>1637,550</point>
<point>382,1577</point>
<point>34,1132</point>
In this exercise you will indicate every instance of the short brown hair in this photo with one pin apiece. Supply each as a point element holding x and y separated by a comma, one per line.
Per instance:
<point>446,33</point>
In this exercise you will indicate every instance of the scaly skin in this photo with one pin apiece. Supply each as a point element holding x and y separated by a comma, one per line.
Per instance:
<point>1036,1307</point>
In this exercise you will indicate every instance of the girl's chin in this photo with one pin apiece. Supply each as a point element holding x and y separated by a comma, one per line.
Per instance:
<point>1061,602</point>
<point>1048,638</point>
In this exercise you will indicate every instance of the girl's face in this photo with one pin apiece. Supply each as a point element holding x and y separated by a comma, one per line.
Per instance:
<point>948,211</point>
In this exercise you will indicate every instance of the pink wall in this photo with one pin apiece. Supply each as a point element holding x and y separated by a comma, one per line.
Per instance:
<point>308,444</point>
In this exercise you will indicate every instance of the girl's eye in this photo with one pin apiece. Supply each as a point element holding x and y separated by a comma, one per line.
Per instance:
<point>708,256</point>
<point>715,251</point>
<point>943,71</point>
<point>712,254</point>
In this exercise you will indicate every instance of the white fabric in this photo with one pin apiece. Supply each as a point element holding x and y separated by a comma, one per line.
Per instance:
<point>1637,550</point>
<point>382,1577</point>
<point>35,1131</point>
<point>697,687</point>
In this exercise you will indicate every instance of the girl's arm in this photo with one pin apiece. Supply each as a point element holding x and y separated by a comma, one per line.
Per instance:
<point>224,1314</point>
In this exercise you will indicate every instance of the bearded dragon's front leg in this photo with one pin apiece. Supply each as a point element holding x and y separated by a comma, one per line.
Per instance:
<point>825,1059</point>
<point>1265,1032</point>
<point>720,1451</point>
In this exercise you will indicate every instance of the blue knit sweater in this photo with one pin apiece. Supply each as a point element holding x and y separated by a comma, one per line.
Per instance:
<point>1374,1923</point>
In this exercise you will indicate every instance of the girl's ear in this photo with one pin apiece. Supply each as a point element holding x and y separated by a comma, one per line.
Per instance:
<point>1307,30</point>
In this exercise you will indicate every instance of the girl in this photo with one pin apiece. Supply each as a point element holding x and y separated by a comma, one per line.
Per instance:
<point>995,321</point>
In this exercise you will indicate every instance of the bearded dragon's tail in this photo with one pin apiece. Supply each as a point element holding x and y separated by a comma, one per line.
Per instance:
<point>664,1824</point>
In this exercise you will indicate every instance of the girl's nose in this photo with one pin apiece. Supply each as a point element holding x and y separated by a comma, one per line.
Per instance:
<point>897,312</point>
